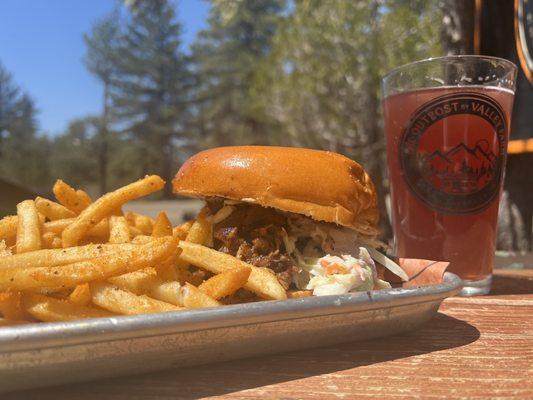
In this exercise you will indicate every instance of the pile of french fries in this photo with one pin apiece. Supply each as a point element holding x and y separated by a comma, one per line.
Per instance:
<point>74,258</point>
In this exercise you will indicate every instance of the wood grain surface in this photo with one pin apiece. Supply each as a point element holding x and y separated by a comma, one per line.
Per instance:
<point>474,348</point>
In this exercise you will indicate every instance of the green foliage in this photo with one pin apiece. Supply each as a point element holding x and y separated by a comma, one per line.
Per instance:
<point>102,43</point>
<point>23,153</point>
<point>151,88</point>
<point>322,79</point>
<point>73,153</point>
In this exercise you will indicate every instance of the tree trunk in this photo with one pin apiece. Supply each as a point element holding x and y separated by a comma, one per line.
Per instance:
<point>374,162</point>
<point>457,34</point>
<point>104,143</point>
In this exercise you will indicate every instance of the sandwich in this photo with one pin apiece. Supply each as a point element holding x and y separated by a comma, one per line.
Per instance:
<point>309,216</point>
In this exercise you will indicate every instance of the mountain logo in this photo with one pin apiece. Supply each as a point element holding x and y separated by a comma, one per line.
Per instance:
<point>455,166</point>
<point>461,169</point>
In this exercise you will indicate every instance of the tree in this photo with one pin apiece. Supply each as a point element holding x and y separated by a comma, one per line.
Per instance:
<point>102,43</point>
<point>23,153</point>
<point>457,28</point>
<point>227,56</point>
<point>321,86</point>
<point>150,90</point>
<point>72,155</point>
<point>9,98</point>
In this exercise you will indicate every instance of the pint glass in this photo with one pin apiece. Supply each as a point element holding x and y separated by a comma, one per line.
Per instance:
<point>447,124</point>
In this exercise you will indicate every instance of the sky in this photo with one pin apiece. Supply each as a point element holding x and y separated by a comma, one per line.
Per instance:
<point>41,45</point>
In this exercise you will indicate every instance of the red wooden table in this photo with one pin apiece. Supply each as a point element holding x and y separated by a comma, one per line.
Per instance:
<point>477,347</point>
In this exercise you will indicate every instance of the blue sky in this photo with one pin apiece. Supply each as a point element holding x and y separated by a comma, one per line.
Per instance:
<point>41,45</point>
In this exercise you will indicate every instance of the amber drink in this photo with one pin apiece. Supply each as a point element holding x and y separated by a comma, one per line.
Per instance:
<point>447,125</point>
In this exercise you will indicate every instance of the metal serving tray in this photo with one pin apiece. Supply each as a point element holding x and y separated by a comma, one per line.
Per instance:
<point>53,353</point>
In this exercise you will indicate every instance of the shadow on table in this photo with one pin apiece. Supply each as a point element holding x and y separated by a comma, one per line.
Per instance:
<point>442,333</point>
<point>511,284</point>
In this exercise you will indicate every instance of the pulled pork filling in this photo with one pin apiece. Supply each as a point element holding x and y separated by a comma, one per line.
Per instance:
<point>302,252</point>
<point>255,235</point>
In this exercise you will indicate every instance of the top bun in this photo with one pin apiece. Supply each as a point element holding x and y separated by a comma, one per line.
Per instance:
<point>323,185</point>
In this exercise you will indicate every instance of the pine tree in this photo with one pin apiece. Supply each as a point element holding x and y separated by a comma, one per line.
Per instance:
<point>23,153</point>
<point>102,43</point>
<point>9,99</point>
<point>226,57</point>
<point>150,90</point>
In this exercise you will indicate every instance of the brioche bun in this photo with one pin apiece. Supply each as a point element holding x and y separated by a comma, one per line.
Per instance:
<point>323,185</point>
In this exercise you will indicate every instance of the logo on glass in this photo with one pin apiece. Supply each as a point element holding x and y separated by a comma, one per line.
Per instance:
<point>451,152</point>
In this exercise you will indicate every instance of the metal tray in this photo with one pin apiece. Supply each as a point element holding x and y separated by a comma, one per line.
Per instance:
<point>61,352</point>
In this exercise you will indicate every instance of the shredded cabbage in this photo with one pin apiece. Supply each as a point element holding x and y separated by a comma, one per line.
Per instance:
<point>352,255</point>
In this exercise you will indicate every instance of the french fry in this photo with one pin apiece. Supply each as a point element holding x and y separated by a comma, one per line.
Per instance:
<point>226,283</point>
<point>100,268</point>
<point>28,228</point>
<point>57,243</point>
<point>74,200</point>
<point>119,301</point>
<point>8,228</point>
<point>11,306</point>
<point>147,282</point>
<point>81,295</point>
<point>119,231</point>
<point>49,309</point>
<point>50,240</point>
<point>52,210</point>
<point>298,294</point>
<point>162,226</point>
<point>11,322</point>
<point>261,281</point>
<point>201,230</point>
<point>142,239</point>
<point>134,232</point>
<point>4,249</point>
<point>58,257</point>
<point>137,282</point>
<point>166,291</point>
<point>143,223</point>
<point>192,297</point>
<point>193,277</point>
<point>181,231</point>
<point>105,205</point>
<point>100,230</point>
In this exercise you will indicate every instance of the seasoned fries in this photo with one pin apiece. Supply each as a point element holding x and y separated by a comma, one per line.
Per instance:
<point>182,230</point>
<point>8,228</point>
<point>140,222</point>
<point>162,226</point>
<point>49,309</point>
<point>192,297</point>
<point>225,283</point>
<point>121,301</point>
<point>81,295</point>
<point>74,200</point>
<point>119,231</point>
<point>57,257</point>
<point>100,268</point>
<point>11,306</point>
<point>50,240</point>
<point>106,205</point>
<point>52,210</point>
<point>261,281</point>
<point>28,227</point>
<point>79,259</point>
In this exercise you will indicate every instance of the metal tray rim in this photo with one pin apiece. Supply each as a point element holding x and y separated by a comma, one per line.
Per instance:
<point>47,335</point>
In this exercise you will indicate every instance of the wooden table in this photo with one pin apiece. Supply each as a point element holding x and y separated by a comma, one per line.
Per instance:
<point>475,347</point>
